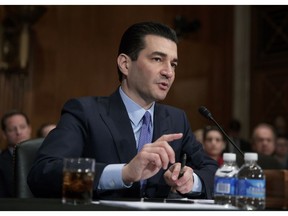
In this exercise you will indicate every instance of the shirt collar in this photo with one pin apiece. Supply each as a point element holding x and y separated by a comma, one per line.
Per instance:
<point>135,111</point>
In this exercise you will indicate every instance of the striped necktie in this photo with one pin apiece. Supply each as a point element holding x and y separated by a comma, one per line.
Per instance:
<point>145,133</point>
<point>144,138</point>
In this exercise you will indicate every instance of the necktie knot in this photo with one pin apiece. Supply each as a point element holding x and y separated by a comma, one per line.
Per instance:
<point>146,118</point>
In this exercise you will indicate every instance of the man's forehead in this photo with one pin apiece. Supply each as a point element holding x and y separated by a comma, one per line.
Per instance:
<point>265,130</point>
<point>160,44</point>
<point>15,119</point>
<point>152,38</point>
<point>16,116</point>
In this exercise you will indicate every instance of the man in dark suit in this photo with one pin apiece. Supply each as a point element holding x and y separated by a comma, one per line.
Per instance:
<point>108,129</point>
<point>16,128</point>
<point>263,142</point>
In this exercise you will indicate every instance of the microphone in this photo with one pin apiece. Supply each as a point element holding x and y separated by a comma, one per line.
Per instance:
<point>207,114</point>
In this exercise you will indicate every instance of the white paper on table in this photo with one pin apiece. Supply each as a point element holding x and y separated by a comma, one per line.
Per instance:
<point>196,205</point>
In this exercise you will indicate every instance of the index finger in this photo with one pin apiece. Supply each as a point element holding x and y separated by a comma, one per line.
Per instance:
<point>170,137</point>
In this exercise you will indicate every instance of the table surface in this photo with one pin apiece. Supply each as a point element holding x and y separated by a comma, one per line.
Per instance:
<point>45,204</point>
<point>39,204</point>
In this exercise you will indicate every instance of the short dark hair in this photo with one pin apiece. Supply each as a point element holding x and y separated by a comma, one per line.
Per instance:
<point>10,114</point>
<point>209,128</point>
<point>235,125</point>
<point>132,41</point>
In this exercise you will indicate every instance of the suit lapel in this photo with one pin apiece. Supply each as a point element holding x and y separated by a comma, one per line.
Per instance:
<point>161,122</point>
<point>118,122</point>
<point>162,125</point>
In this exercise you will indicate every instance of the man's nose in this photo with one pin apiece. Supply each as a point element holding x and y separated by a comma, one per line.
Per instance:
<point>168,70</point>
<point>18,130</point>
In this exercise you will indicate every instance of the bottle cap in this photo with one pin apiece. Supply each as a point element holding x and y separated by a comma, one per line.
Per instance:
<point>229,157</point>
<point>251,156</point>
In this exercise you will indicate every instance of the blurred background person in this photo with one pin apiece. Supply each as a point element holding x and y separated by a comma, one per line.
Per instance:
<point>263,139</point>
<point>15,129</point>
<point>199,135</point>
<point>281,150</point>
<point>263,143</point>
<point>214,143</point>
<point>234,132</point>
<point>280,125</point>
<point>44,129</point>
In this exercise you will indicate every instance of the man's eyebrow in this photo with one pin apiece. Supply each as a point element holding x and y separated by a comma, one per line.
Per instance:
<point>159,53</point>
<point>163,55</point>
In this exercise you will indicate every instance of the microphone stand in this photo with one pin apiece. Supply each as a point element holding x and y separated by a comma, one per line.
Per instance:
<point>207,114</point>
<point>238,149</point>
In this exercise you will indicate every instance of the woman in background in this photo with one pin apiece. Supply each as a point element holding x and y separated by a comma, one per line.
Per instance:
<point>213,143</point>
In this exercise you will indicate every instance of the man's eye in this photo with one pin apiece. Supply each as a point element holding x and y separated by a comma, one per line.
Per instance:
<point>174,65</point>
<point>157,59</point>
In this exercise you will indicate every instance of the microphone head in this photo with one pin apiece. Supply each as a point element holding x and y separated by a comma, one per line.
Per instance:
<point>205,112</point>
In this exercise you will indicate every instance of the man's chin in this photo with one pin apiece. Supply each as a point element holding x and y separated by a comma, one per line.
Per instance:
<point>22,140</point>
<point>160,97</point>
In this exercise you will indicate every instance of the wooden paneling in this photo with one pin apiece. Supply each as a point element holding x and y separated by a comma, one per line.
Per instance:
<point>269,63</point>
<point>75,55</point>
<point>204,73</point>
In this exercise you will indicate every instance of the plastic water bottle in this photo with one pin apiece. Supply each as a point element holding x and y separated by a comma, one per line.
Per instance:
<point>251,184</point>
<point>225,181</point>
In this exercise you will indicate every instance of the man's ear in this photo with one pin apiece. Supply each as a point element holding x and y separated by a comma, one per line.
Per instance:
<point>3,135</point>
<point>30,130</point>
<point>123,62</point>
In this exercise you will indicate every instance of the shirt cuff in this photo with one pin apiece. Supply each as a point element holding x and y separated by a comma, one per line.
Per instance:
<point>111,178</point>
<point>197,186</point>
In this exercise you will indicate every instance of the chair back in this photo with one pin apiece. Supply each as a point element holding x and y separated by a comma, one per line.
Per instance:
<point>24,155</point>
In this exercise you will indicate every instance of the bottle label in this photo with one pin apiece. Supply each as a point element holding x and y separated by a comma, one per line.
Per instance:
<point>254,188</point>
<point>224,185</point>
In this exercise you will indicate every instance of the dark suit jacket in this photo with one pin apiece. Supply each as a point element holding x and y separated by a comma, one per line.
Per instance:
<point>100,128</point>
<point>6,174</point>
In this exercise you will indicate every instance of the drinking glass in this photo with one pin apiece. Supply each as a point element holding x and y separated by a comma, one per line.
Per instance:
<point>78,178</point>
